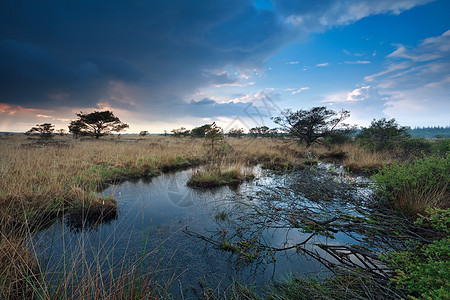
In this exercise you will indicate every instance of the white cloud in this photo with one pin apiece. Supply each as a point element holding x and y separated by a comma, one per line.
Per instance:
<point>360,94</point>
<point>335,12</point>
<point>357,95</point>
<point>390,69</point>
<point>357,62</point>
<point>429,49</point>
<point>323,64</point>
<point>417,81</point>
<point>294,20</point>
<point>236,84</point>
<point>297,91</point>
<point>292,62</point>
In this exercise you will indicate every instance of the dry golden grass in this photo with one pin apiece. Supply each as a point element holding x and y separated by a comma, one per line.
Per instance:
<point>38,177</point>
<point>412,202</point>
<point>17,264</point>
<point>360,159</point>
<point>39,180</point>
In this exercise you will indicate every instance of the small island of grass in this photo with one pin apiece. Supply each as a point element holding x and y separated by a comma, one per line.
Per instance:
<point>216,178</point>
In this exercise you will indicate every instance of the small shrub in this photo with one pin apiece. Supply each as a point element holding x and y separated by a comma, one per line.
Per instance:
<point>416,146</point>
<point>441,146</point>
<point>425,272</point>
<point>412,187</point>
<point>338,138</point>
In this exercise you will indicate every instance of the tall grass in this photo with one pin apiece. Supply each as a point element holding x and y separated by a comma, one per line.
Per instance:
<point>218,175</point>
<point>143,276</point>
<point>81,270</point>
<point>361,159</point>
<point>39,181</point>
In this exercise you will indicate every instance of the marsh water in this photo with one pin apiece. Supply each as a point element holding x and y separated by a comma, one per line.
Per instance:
<point>183,230</point>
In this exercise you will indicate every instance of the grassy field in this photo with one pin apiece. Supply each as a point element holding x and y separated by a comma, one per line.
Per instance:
<point>40,180</point>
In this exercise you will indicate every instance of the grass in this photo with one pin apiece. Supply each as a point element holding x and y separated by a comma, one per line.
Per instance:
<point>77,275</point>
<point>358,159</point>
<point>215,177</point>
<point>42,180</point>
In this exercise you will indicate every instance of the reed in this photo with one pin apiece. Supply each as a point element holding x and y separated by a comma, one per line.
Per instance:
<point>40,181</point>
<point>359,159</point>
<point>411,187</point>
<point>218,175</point>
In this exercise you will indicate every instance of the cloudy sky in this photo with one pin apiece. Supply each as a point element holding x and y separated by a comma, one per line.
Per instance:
<point>160,65</point>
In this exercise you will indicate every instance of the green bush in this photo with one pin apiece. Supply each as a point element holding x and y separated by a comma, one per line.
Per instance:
<point>416,146</point>
<point>425,272</point>
<point>338,137</point>
<point>382,135</point>
<point>441,146</point>
<point>413,186</point>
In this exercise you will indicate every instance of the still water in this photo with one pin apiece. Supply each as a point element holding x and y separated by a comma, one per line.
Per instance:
<point>156,216</point>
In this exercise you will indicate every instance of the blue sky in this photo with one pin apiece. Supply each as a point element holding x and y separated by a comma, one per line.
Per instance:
<point>161,65</point>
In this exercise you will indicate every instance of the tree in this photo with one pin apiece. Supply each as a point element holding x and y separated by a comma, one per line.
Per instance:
<point>200,131</point>
<point>236,132</point>
<point>259,131</point>
<point>181,132</point>
<point>75,128</point>
<point>311,125</point>
<point>45,130</point>
<point>96,124</point>
<point>213,135</point>
<point>272,132</point>
<point>382,134</point>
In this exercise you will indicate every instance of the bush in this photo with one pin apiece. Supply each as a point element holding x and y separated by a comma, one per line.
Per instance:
<point>416,146</point>
<point>425,272</point>
<point>382,135</point>
<point>412,187</point>
<point>441,146</point>
<point>337,138</point>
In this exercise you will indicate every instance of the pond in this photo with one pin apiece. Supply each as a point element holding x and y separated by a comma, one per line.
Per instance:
<point>266,229</point>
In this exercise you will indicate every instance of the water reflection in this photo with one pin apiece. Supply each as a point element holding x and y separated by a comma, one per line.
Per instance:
<point>195,230</point>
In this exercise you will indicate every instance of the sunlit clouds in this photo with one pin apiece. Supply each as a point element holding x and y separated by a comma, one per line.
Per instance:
<point>162,65</point>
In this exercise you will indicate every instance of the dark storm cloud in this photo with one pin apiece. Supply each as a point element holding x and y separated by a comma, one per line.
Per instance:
<point>30,74</point>
<point>173,107</point>
<point>144,54</point>
<point>67,52</point>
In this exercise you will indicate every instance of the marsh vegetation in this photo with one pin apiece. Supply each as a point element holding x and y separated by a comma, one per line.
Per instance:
<point>397,221</point>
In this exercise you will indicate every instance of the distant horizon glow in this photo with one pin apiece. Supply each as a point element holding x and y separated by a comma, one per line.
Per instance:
<point>165,65</point>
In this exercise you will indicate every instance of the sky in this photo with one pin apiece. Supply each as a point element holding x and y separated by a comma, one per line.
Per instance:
<point>160,65</point>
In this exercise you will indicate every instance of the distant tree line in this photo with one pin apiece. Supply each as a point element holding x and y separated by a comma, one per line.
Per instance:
<point>317,125</point>
<point>430,132</point>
